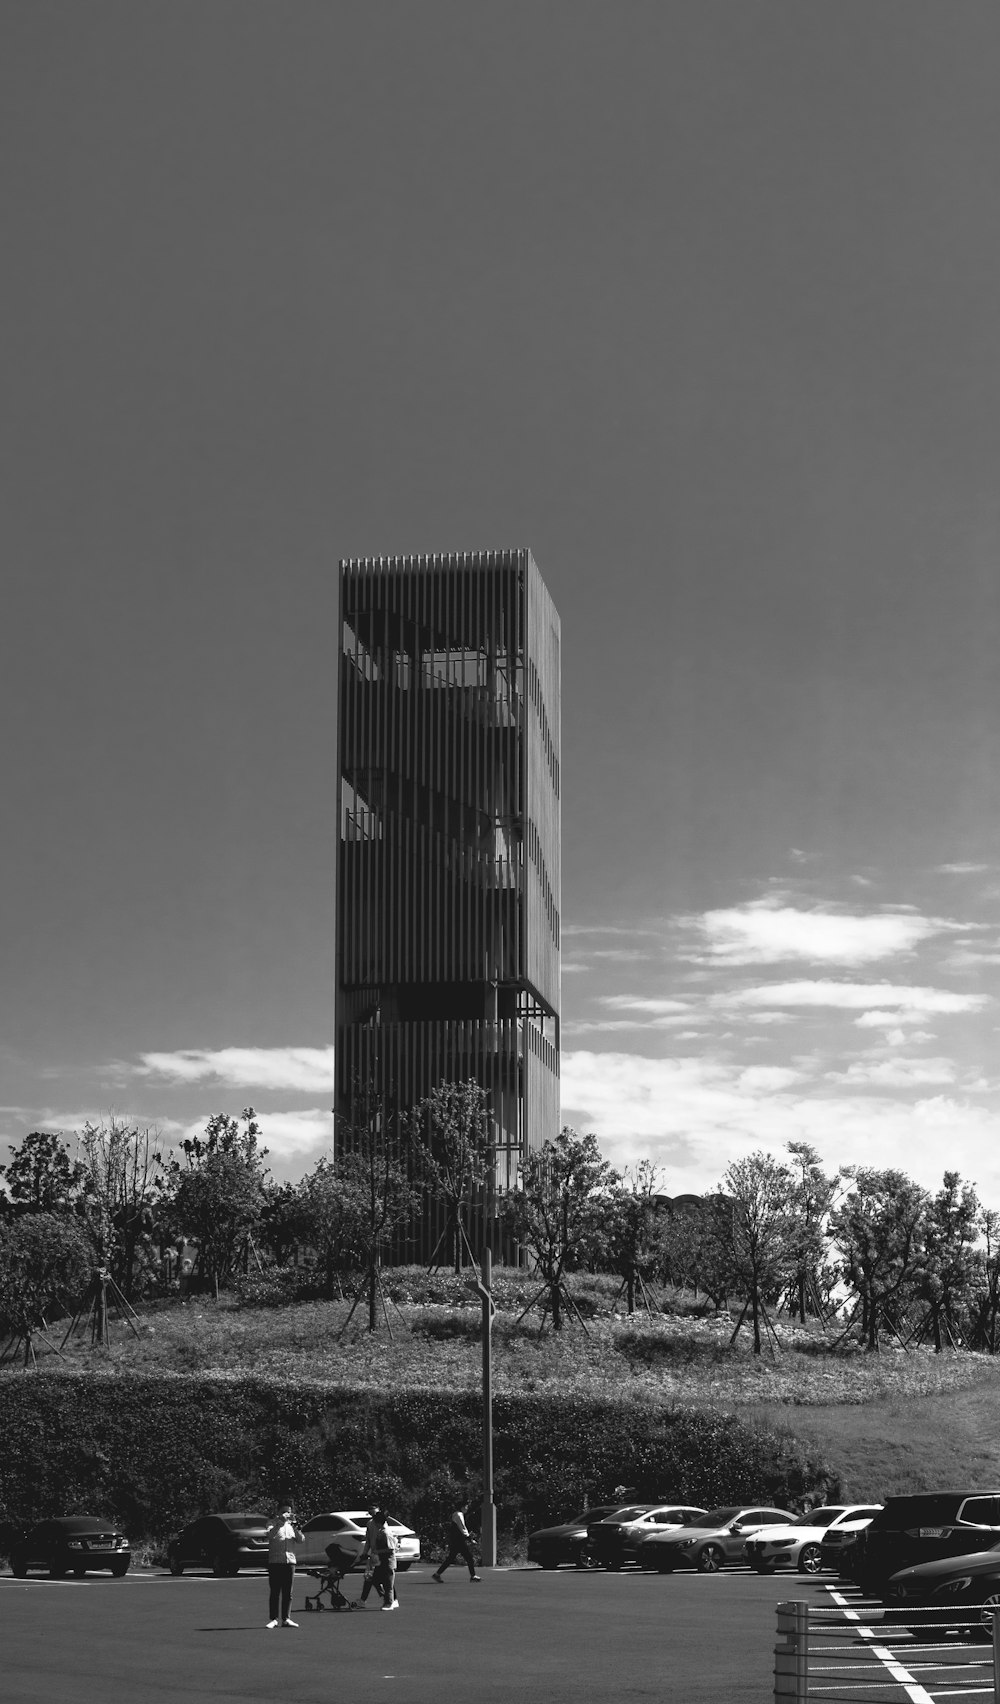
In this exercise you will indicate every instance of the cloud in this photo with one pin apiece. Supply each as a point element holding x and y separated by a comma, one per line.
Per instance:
<point>641,933</point>
<point>765,932</point>
<point>283,1134</point>
<point>305,1070</point>
<point>693,1116</point>
<point>896,1073</point>
<point>643,1003</point>
<point>961,869</point>
<point>881,997</point>
<point>766,1078</point>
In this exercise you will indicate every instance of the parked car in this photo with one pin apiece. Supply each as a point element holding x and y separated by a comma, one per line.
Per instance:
<point>567,1542</point>
<point>800,1543</point>
<point>837,1543</point>
<point>924,1528</point>
<point>72,1544</point>
<point>718,1540</point>
<point>346,1527</point>
<point>224,1543</point>
<point>612,1541</point>
<point>955,1591</point>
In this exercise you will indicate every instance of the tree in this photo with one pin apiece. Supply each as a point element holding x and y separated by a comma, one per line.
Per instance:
<point>217,1194</point>
<point>41,1177</point>
<point>878,1228</point>
<point>121,1170</point>
<point>986,1284</point>
<point>451,1132</point>
<point>948,1264</point>
<point>284,1224</point>
<point>761,1231</point>
<point>376,1193</point>
<point>558,1206</point>
<point>695,1234</point>
<point>811,1198</point>
<point>328,1221</point>
<point>45,1258</point>
<point>634,1228</point>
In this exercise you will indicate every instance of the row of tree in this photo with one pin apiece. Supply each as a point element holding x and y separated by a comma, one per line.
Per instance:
<point>866,1247</point>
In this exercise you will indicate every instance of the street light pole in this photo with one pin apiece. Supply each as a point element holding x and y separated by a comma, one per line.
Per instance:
<point>488,1531</point>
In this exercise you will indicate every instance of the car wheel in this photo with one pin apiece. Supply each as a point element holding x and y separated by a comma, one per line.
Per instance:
<point>174,1562</point>
<point>79,1573</point>
<point>766,1565</point>
<point>19,1570</point>
<point>987,1609</point>
<point>810,1560</point>
<point>550,1565</point>
<point>120,1569</point>
<point>401,1567</point>
<point>710,1559</point>
<point>220,1566</point>
<point>664,1567</point>
<point>57,1570</point>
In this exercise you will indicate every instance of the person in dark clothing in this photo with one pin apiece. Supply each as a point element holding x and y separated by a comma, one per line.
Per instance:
<point>282,1534</point>
<point>459,1547</point>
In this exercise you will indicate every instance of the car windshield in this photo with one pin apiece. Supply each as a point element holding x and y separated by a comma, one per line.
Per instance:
<point>245,1523</point>
<point>720,1517</point>
<point>817,1517</point>
<point>626,1514</point>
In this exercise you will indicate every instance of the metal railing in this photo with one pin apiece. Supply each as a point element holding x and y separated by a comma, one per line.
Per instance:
<point>871,1655</point>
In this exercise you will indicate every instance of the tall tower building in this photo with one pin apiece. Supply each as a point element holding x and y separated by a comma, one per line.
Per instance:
<point>448,856</point>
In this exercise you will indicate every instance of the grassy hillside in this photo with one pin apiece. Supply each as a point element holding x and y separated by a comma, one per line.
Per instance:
<point>892,1422</point>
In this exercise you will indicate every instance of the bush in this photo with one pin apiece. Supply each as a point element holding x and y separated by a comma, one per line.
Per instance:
<point>155,1450</point>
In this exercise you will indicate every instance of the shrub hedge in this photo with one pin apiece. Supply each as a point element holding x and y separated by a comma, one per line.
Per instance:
<point>154,1450</point>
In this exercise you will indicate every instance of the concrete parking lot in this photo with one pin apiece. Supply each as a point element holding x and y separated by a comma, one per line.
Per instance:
<point>523,1635</point>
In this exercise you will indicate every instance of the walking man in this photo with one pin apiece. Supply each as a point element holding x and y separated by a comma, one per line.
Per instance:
<point>282,1534</point>
<point>385,1551</point>
<point>459,1546</point>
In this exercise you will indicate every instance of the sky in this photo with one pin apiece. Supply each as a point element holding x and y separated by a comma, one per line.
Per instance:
<point>695,301</point>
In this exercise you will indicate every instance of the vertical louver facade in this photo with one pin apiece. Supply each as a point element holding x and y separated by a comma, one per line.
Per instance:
<point>448,855</point>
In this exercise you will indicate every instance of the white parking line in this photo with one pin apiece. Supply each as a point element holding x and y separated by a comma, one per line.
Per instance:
<point>900,1675</point>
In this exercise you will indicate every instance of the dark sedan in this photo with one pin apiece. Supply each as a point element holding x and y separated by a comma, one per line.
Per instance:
<point>224,1543</point>
<point>955,1591</point>
<point>567,1542</point>
<point>72,1544</point>
<point>613,1541</point>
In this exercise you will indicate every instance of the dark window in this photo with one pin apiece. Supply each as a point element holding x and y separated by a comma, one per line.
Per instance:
<point>980,1511</point>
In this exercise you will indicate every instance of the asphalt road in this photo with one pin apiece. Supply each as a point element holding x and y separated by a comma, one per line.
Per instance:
<point>522,1635</point>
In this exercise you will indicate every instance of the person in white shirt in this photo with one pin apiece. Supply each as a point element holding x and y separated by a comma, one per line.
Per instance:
<point>385,1552</point>
<point>459,1545</point>
<point>282,1534</point>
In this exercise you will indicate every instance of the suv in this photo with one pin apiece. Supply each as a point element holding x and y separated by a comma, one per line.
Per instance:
<point>924,1528</point>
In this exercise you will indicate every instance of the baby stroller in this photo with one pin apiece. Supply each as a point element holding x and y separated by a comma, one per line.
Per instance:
<point>341,1562</point>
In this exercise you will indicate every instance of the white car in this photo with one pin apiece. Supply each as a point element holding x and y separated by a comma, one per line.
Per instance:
<point>797,1545</point>
<point>346,1527</point>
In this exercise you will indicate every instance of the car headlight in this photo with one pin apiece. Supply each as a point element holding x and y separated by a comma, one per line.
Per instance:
<point>777,1543</point>
<point>685,1543</point>
<point>951,1588</point>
